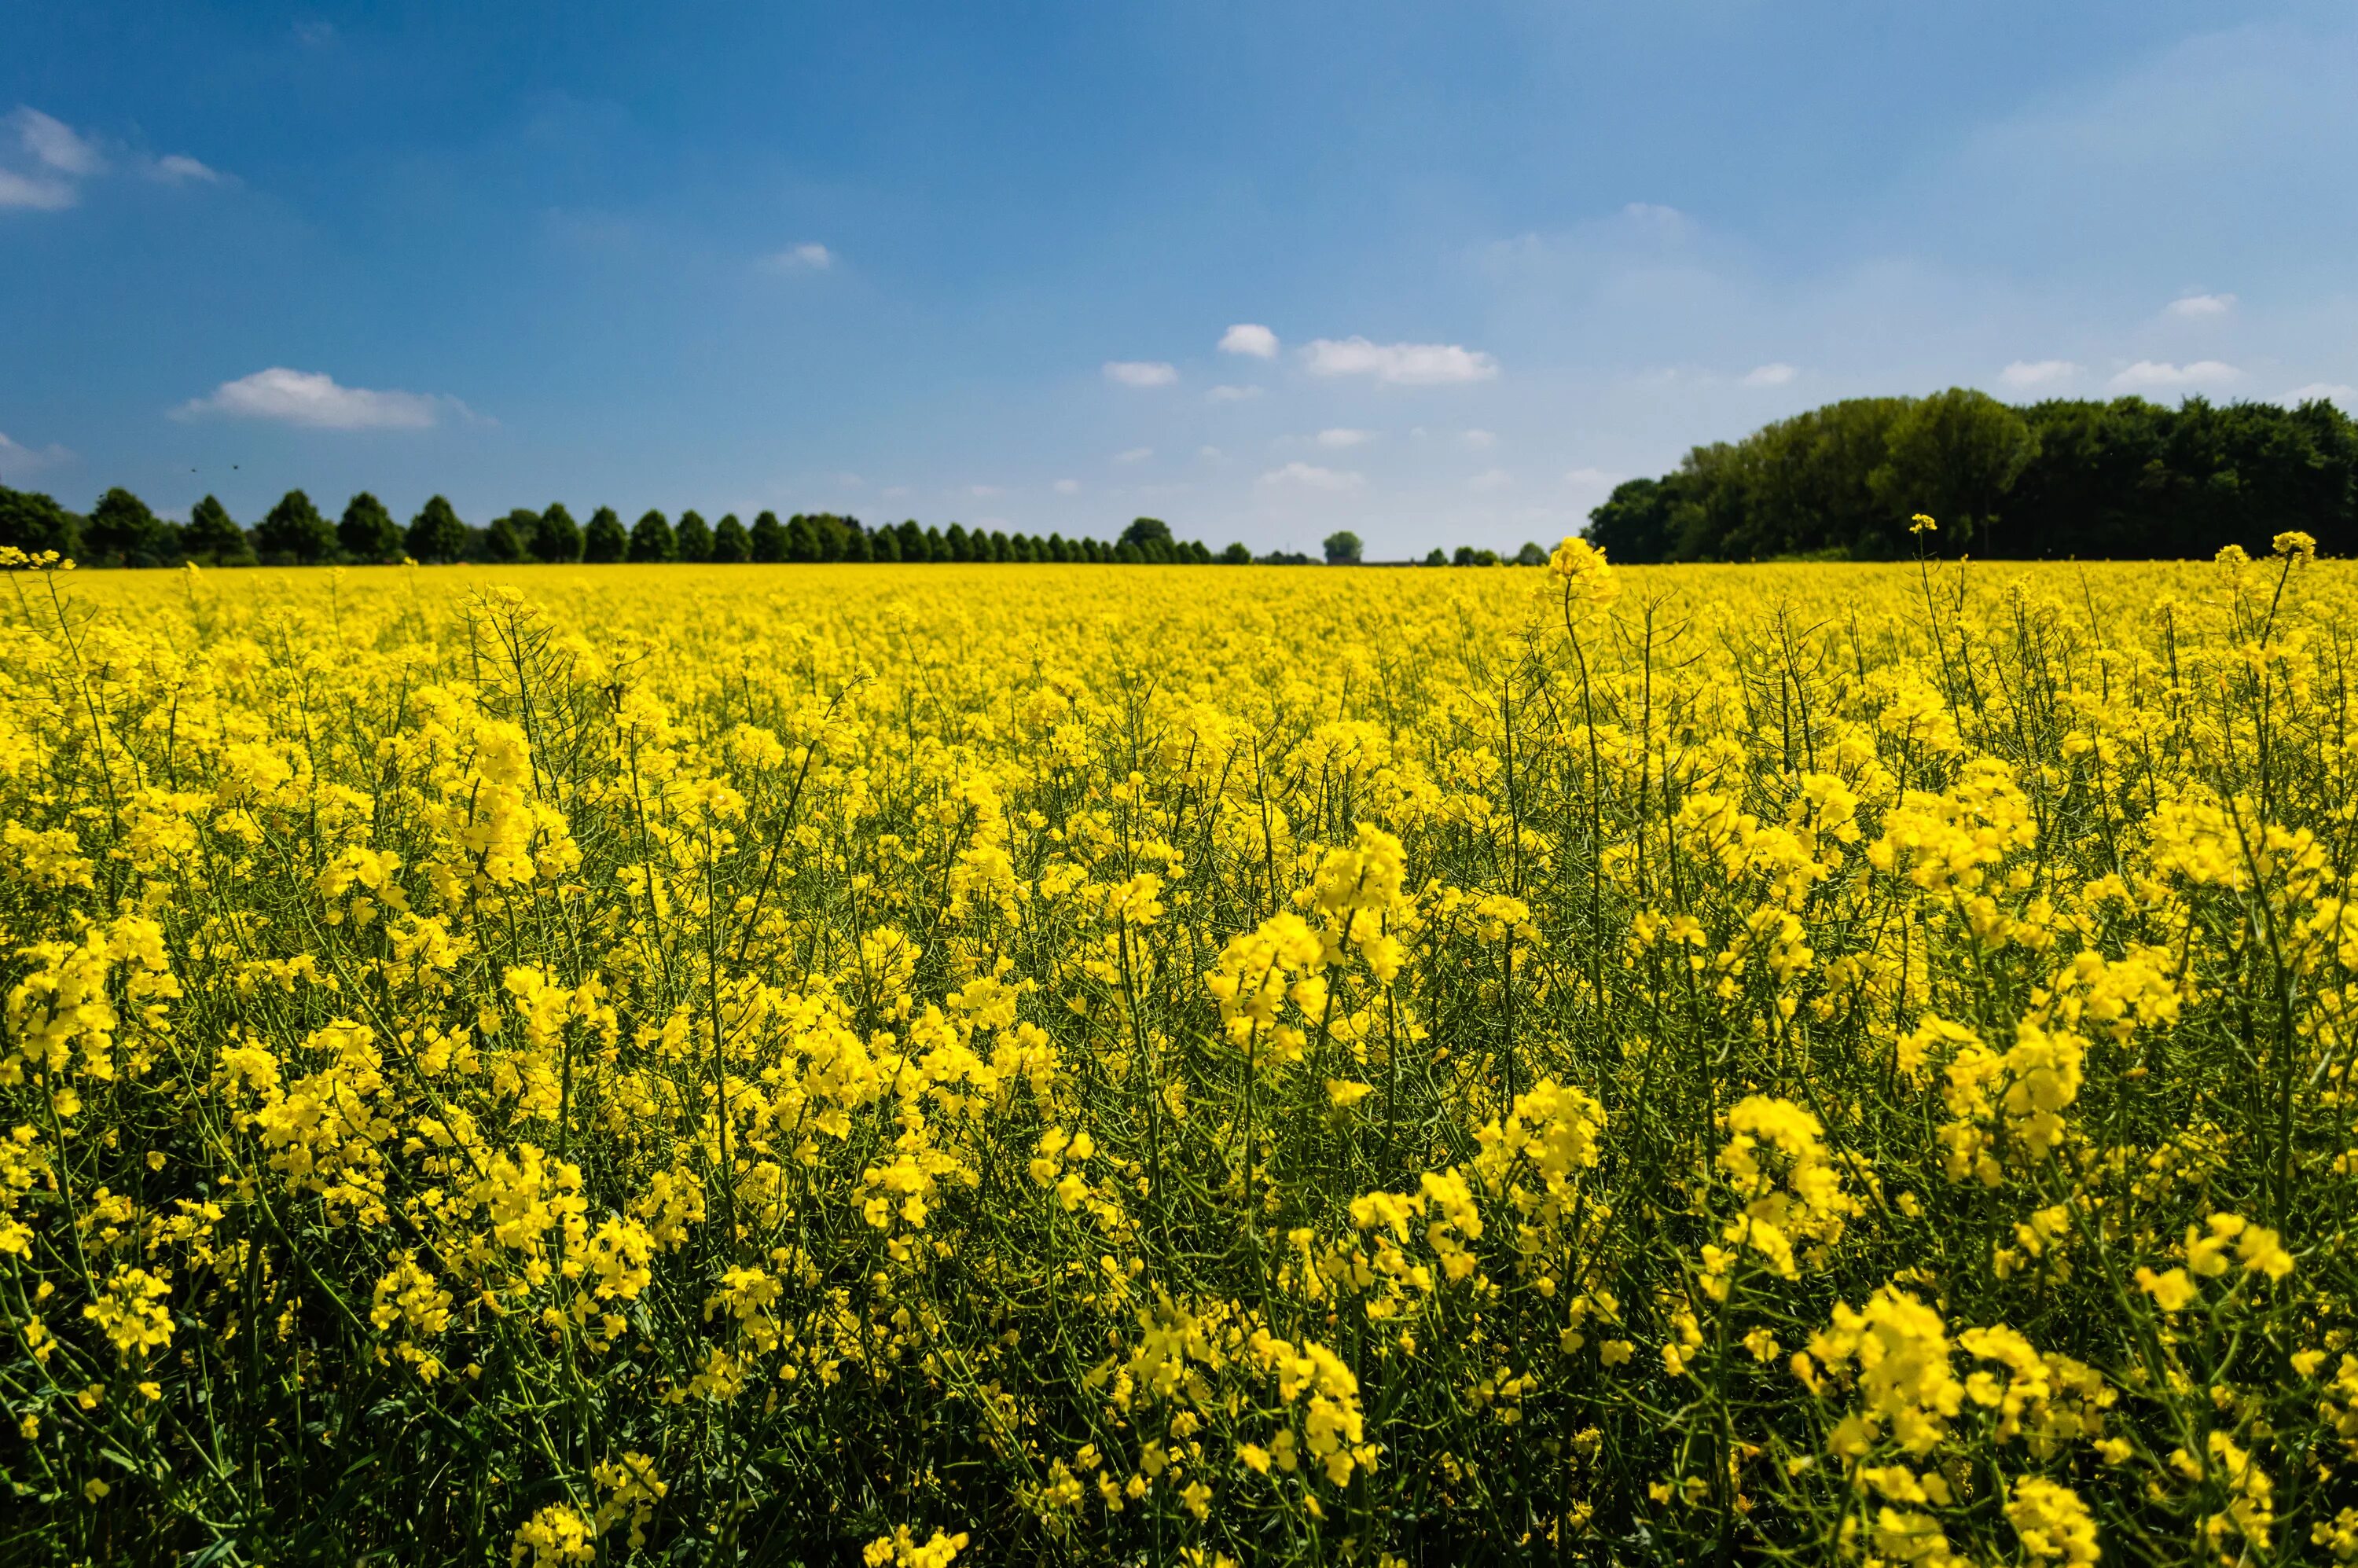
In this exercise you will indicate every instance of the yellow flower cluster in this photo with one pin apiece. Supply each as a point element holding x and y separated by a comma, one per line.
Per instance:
<point>633,1064</point>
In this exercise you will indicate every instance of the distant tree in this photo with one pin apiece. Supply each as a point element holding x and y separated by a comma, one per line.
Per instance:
<point>693,539</point>
<point>1093,552</point>
<point>802,538</point>
<point>884,545</point>
<point>769,539</point>
<point>956,546</point>
<point>122,531</point>
<point>1436,556</point>
<point>33,523</point>
<point>652,540</point>
<point>832,535</point>
<point>1468,556</point>
<point>367,532</point>
<point>294,531</point>
<point>508,540</point>
<point>1342,548</point>
<point>555,537</point>
<point>993,547</point>
<point>1236,555</point>
<point>604,542</point>
<point>937,549</point>
<point>1640,521</point>
<point>914,546</point>
<point>1056,549</point>
<point>730,544</point>
<point>858,544</point>
<point>1954,454</point>
<point>213,538</point>
<point>436,533</point>
<point>1530,554</point>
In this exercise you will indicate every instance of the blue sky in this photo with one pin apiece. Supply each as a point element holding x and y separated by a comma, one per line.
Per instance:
<point>980,261</point>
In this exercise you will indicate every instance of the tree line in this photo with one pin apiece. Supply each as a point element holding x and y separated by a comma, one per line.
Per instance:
<point>2064,477</point>
<point>122,531</point>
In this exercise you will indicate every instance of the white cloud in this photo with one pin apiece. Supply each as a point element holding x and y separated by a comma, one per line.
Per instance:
<point>1231,394</point>
<point>313,399</point>
<point>894,491</point>
<point>1769,375</point>
<point>1592,483</point>
<point>54,143</point>
<point>1211,454</point>
<point>1343,438</point>
<point>2329,391</point>
<point>40,193</point>
<point>1135,455</point>
<point>1066,487</point>
<point>808,256</point>
<point>1400,364</point>
<point>2153,375</point>
<point>1652,212</point>
<point>17,460</point>
<point>2195,306</point>
<point>1490,480</point>
<point>2038,372</point>
<point>1310,476</point>
<point>1140,373</point>
<point>178,169</point>
<point>1245,338</point>
<point>1480,440</point>
<point>983,491</point>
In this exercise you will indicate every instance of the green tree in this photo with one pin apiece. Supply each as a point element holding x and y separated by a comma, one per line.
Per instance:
<point>122,531</point>
<point>604,542</point>
<point>33,523</point>
<point>508,540</point>
<point>802,538</point>
<point>1151,536</point>
<point>436,536</point>
<point>730,544</point>
<point>652,538</point>
<point>1954,454</point>
<point>367,532</point>
<point>857,546</point>
<point>693,538</point>
<point>884,545</point>
<point>213,537</point>
<point>956,546</point>
<point>1436,556</point>
<point>555,537</point>
<point>768,538</point>
<point>834,538</point>
<point>1237,555</point>
<point>916,544</point>
<point>1530,554</point>
<point>293,531</point>
<point>1342,548</point>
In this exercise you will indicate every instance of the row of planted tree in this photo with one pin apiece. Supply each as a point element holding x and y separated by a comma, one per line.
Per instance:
<point>122,531</point>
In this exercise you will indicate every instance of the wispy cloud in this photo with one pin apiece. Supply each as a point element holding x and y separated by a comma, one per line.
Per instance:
<point>1769,375</point>
<point>2154,376</point>
<point>2029,373</point>
<point>51,159</point>
<point>1140,373</point>
<point>1480,440</point>
<point>1250,339</point>
<point>178,169</point>
<point>1310,476</point>
<point>1490,480</point>
<point>56,144</point>
<point>1066,487</point>
<point>17,460</point>
<point>314,400</point>
<point>2322,391</point>
<point>808,256</point>
<point>2197,307</point>
<point>1135,455</point>
<point>1343,438</point>
<point>1400,364</point>
<point>1231,394</point>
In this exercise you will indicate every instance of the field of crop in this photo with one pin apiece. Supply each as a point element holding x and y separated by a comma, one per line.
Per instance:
<point>1098,1065</point>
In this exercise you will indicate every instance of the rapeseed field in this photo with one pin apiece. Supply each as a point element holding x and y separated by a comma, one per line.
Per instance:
<point>1078,1064</point>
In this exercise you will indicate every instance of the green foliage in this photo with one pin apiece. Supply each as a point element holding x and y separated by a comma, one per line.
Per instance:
<point>508,540</point>
<point>365,533</point>
<point>693,538</point>
<point>652,538</point>
<point>1236,555</point>
<point>436,536</point>
<point>122,531</point>
<point>769,539</point>
<point>604,542</point>
<point>212,537</point>
<point>1342,548</point>
<point>294,533</point>
<point>730,547</point>
<point>555,537</point>
<point>33,523</point>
